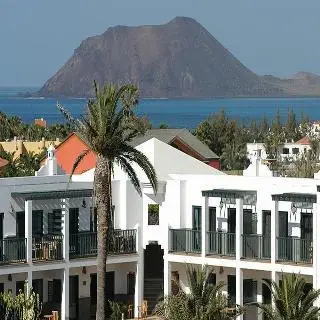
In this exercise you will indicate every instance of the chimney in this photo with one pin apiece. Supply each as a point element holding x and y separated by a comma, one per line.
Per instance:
<point>51,161</point>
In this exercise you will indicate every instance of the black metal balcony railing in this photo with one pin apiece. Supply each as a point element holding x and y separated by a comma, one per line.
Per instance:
<point>294,249</point>
<point>85,244</point>
<point>221,243</point>
<point>256,246</point>
<point>13,250</point>
<point>185,240</point>
<point>48,247</point>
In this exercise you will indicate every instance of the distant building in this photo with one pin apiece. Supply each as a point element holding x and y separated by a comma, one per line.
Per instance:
<point>287,150</point>
<point>40,122</point>
<point>19,147</point>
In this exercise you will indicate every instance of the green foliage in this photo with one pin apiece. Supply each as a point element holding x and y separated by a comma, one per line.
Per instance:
<point>205,301</point>
<point>293,300</point>
<point>11,127</point>
<point>117,309</point>
<point>25,306</point>
<point>25,165</point>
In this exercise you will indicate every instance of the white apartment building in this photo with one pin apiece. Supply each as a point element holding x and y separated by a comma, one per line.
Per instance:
<point>287,150</point>
<point>247,228</point>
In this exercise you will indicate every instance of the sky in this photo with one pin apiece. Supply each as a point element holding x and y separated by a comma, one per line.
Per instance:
<point>278,37</point>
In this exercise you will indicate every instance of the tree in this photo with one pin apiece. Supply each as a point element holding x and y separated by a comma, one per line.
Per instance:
<point>205,301</point>
<point>291,127</point>
<point>107,128</point>
<point>216,131</point>
<point>293,300</point>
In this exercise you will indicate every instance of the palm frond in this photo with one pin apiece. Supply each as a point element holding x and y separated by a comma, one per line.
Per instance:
<point>77,162</point>
<point>127,168</point>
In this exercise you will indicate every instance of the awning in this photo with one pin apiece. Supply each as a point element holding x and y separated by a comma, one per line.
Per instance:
<point>230,195</point>
<point>295,197</point>
<point>56,194</point>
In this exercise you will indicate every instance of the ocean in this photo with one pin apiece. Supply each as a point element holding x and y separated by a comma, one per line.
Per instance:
<point>179,113</point>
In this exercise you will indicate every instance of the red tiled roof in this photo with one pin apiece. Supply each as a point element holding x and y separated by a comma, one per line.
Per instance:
<point>304,140</point>
<point>3,162</point>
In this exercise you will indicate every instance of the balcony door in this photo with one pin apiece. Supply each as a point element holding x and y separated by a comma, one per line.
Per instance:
<point>284,242</point>
<point>231,245</point>
<point>212,219</point>
<point>196,228</point>
<point>74,230</point>
<point>1,226</point>
<point>306,236</point>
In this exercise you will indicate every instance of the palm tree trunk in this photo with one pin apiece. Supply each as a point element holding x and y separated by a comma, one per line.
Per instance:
<point>103,197</point>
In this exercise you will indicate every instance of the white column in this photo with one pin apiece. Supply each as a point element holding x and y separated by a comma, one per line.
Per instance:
<point>315,245</point>
<point>239,227</point>
<point>204,223</point>
<point>259,297</point>
<point>239,289</point>
<point>65,227</point>
<point>274,232</point>
<point>65,295</point>
<point>28,228</point>
<point>138,292</point>
<point>29,280</point>
<point>167,278</point>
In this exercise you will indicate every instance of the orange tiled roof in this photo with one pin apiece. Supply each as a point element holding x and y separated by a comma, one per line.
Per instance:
<point>304,140</point>
<point>3,162</point>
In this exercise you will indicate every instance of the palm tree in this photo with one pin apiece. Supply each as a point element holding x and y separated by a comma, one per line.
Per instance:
<point>107,128</point>
<point>293,300</point>
<point>205,301</point>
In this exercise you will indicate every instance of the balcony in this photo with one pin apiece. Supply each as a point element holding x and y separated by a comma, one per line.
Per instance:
<point>47,248</point>
<point>256,246</point>
<point>85,244</point>
<point>185,240</point>
<point>221,243</point>
<point>13,250</point>
<point>293,249</point>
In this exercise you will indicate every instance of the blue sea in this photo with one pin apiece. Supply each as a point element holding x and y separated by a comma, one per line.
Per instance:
<point>175,113</point>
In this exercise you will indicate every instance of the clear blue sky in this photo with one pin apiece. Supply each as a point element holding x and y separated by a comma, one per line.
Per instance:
<point>277,37</point>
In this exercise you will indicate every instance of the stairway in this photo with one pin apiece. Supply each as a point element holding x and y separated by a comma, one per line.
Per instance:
<point>153,290</point>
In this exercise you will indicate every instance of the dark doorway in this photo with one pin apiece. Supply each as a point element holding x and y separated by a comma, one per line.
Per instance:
<point>37,286</point>
<point>231,290</point>
<point>20,224</point>
<point>153,275</point>
<point>109,291</point>
<point>74,297</point>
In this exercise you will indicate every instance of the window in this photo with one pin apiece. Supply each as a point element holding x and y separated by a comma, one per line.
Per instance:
<point>153,214</point>
<point>55,291</point>
<point>37,223</point>
<point>19,287</point>
<point>249,222</point>
<point>55,222</point>
<point>285,151</point>
<point>249,291</point>
<point>295,150</point>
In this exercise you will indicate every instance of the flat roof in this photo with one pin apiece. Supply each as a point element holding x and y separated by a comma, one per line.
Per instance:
<point>53,194</point>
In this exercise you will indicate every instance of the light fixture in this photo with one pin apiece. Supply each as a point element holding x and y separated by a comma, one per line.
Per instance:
<point>84,204</point>
<point>221,204</point>
<point>84,270</point>
<point>293,208</point>
<point>9,277</point>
